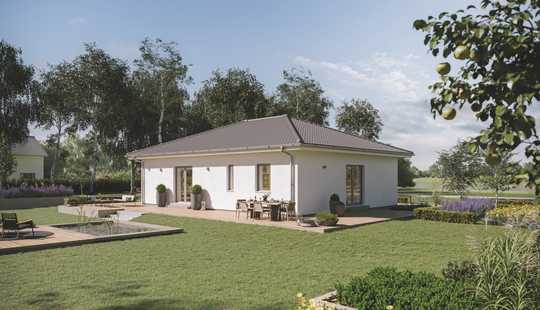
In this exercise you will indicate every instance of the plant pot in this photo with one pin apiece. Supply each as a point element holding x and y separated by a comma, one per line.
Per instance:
<point>340,208</point>
<point>162,199</point>
<point>196,201</point>
<point>337,208</point>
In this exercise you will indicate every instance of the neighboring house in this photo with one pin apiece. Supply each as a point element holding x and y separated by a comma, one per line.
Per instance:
<point>283,157</point>
<point>29,156</point>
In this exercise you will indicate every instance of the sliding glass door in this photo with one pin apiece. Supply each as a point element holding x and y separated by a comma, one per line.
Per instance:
<point>354,184</point>
<point>183,184</point>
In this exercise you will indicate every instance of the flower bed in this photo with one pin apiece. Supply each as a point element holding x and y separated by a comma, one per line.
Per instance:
<point>474,205</point>
<point>516,215</point>
<point>23,191</point>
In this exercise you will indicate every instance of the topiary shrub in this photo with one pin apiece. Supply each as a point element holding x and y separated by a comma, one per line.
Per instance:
<point>404,290</point>
<point>334,197</point>
<point>196,189</point>
<point>326,219</point>
<point>161,188</point>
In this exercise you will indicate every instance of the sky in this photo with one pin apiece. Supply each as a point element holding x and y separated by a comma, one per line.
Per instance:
<point>355,49</point>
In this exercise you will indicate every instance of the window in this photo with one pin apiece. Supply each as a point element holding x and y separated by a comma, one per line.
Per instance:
<point>354,184</point>
<point>263,177</point>
<point>230,177</point>
<point>28,176</point>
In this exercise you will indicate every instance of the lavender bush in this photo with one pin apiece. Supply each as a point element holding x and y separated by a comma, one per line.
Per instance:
<point>475,205</point>
<point>24,190</point>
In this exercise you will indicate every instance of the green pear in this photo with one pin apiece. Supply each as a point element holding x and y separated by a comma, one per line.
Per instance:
<point>462,52</point>
<point>443,68</point>
<point>449,114</point>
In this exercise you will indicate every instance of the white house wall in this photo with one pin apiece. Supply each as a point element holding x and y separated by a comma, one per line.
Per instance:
<point>211,173</point>
<point>28,164</point>
<point>316,184</point>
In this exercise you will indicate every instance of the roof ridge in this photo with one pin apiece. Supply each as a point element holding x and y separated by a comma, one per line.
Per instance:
<point>295,130</point>
<point>353,135</point>
<point>266,117</point>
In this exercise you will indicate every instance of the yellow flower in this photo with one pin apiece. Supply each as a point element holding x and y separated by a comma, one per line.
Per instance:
<point>299,295</point>
<point>389,307</point>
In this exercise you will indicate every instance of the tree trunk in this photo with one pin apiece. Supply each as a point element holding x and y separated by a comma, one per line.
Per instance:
<point>93,167</point>
<point>56,151</point>
<point>161,111</point>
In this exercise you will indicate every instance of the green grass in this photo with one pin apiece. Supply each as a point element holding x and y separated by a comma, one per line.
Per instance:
<point>44,216</point>
<point>426,186</point>
<point>219,265</point>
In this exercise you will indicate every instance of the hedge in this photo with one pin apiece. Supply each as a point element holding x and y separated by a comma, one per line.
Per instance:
<point>383,287</point>
<point>436,214</point>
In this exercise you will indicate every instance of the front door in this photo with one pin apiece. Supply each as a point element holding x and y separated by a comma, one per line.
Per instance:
<point>183,184</point>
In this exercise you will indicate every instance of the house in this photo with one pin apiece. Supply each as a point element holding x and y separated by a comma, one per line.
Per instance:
<point>29,156</point>
<point>278,156</point>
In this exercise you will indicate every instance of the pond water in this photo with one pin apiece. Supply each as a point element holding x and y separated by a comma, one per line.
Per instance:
<point>104,228</point>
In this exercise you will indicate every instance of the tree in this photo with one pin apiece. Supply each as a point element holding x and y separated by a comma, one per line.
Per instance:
<point>500,177</point>
<point>102,95</point>
<point>231,97</point>
<point>163,76</point>
<point>359,117</point>
<point>406,173</point>
<point>459,168</point>
<point>57,96</point>
<point>79,159</point>
<point>7,161</point>
<point>498,74</point>
<point>17,106</point>
<point>301,97</point>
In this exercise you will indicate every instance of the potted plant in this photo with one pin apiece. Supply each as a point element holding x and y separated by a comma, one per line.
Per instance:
<point>196,197</point>
<point>162,195</point>
<point>336,206</point>
<point>326,219</point>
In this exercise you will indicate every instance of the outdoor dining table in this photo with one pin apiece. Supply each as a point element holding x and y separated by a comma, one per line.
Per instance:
<point>275,208</point>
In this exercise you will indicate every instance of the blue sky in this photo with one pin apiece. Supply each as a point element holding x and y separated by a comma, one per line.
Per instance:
<point>364,49</point>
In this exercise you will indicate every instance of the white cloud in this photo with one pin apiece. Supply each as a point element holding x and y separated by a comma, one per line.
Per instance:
<point>397,86</point>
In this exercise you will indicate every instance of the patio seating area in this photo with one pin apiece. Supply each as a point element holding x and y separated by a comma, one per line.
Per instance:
<point>354,218</point>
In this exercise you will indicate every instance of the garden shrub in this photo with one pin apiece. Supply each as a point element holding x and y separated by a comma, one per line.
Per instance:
<point>326,219</point>
<point>196,189</point>
<point>161,188</point>
<point>404,290</point>
<point>436,214</point>
<point>464,271</point>
<point>85,199</point>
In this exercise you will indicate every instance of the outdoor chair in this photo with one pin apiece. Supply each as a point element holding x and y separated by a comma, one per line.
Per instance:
<point>288,208</point>
<point>241,206</point>
<point>10,223</point>
<point>259,210</point>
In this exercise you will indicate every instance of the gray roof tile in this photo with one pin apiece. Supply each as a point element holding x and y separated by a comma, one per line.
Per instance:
<point>264,133</point>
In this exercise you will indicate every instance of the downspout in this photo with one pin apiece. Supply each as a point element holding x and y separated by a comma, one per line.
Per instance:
<point>293,175</point>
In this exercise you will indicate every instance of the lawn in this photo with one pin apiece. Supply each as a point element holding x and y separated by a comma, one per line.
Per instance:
<point>426,186</point>
<point>219,265</point>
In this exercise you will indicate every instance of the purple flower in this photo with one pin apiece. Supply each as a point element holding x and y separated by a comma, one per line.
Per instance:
<point>475,205</point>
<point>24,190</point>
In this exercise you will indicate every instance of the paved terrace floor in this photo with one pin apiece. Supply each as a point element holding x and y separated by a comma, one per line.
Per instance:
<point>357,218</point>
